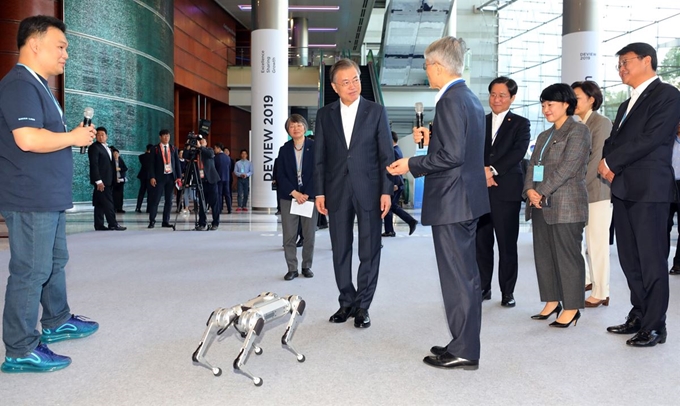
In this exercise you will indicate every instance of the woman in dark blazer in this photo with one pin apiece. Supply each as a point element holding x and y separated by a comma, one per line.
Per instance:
<point>295,181</point>
<point>119,181</point>
<point>589,99</point>
<point>557,204</point>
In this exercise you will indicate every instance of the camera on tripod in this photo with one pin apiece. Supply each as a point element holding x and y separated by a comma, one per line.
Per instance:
<point>191,146</point>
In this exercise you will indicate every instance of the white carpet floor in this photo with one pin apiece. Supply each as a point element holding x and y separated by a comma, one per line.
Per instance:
<point>153,290</point>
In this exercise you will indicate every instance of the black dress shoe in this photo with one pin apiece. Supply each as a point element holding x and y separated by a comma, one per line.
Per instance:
<point>166,225</point>
<point>117,227</point>
<point>307,273</point>
<point>508,301</point>
<point>138,210</point>
<point>101,228</point>
<point>291,275</point>
<point>556,311</point>
<point>675,270</point>
<point>486,294</point>
<point>300,242</point>
<point>120,211</point>
<point>198,227</point>
<point>450,361</point>
<point>437,350</point>
<point>631,326</point>
<point>342,315</point>
<point>152,224</point>
<point>646,338</point>
<point>361,319</point>
<point>389,234</point>
<point>213,227</point>
<point>412,226</point>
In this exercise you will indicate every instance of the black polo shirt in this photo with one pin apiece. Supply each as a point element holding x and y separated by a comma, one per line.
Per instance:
<point>31,181</point>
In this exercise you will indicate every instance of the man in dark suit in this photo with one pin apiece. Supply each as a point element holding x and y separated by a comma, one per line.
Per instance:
<point>454,198</point>
<point>637,162</point>
<point>352,150</point>
<point>102,174</point>
<point>506,143</point>
<point>223,166</point>
<point>209,178</point>
<point>396,195</point>
<point>164,173</point>
<point>143,176</point>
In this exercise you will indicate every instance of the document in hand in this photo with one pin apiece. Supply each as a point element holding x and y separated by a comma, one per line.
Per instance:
<point>305,209</point>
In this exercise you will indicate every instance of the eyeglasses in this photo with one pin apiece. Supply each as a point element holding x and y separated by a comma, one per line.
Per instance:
<point>425,65</point>
<point>499,96</point>
<point>346,83</point>
<point>623,62</point>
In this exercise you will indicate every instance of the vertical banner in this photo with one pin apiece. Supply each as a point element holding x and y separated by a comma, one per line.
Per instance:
<point>581,57</point>
<point>269,110</point>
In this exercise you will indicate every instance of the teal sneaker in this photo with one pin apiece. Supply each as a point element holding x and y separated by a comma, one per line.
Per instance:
<point>75,327</point>
<point>41,359</point>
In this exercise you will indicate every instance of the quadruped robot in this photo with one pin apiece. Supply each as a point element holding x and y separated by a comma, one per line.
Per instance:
<point>248,319</point>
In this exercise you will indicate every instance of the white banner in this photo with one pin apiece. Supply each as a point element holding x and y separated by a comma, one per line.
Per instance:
<point>581,57</point>
<point>269,110</point>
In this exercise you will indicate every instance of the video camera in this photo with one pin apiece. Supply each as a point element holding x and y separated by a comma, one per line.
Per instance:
<point>191,146</point>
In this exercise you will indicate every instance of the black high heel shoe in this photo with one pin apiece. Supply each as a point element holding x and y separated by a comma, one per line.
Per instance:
<point>557,311</point>
<point>565,325</point>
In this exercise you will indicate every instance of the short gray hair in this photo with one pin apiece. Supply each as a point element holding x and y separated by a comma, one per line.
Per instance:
<point>449,52</point>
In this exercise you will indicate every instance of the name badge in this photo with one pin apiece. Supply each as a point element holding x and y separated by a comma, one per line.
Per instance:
<point>168,168</point>
<point>202,173</point>
<point>538,173</point>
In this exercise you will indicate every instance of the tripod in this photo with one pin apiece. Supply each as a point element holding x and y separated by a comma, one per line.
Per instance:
<point>191,180</point>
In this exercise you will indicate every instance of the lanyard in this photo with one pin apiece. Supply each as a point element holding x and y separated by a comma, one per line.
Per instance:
<point>35,75</point>
<point>540,158</point>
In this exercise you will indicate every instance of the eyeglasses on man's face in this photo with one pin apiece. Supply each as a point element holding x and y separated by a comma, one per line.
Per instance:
<point>623,62</point>
<point>426,64</point>
<point>353,82</point>
<point>501,96</point>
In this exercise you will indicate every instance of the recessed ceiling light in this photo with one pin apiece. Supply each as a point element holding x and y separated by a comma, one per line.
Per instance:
<point>322,46</point>
<point>322,29</point>
<point>248,7</point>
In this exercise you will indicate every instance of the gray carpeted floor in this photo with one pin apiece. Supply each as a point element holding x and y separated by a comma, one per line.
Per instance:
<point>152,292</point>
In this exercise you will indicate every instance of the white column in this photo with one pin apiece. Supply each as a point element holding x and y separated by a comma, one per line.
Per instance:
<point>581,41</point>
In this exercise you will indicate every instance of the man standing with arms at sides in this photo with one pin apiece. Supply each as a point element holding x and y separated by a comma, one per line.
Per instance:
<point>143,176</point>
<point>506,143</point>
<point>102,174</point>
<point>223,166</point>
<point>454,198</point>
<point>164,173</point>
<point>353,147</point>
<point>636,159</point>
<point>36,176</point>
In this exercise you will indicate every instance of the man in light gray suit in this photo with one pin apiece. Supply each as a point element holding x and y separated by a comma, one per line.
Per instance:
<point>454,198</point>
<point>353,146</point>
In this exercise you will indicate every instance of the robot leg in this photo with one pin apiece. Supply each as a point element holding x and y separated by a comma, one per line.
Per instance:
<point>218,322</point>
<point>240,361</point>
<point>297,309</point>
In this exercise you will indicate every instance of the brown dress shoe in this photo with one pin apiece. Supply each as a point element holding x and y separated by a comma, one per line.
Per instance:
<point>589,287</point>
<point>604,302</point>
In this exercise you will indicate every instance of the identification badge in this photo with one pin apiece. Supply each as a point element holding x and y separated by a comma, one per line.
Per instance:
<point>168,168</point>
<point>538,173</point>
<point>202,173</point>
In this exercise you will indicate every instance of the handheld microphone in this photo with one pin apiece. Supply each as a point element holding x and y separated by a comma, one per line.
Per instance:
<point>87,121</point>
<point>419,121</point>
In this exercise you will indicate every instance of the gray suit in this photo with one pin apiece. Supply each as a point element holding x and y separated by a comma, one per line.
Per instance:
<point>454,198</point>
<point>558,229</point>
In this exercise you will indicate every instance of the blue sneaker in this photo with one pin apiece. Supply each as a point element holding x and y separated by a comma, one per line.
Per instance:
<point>41,359</point>
<point>75,327</point>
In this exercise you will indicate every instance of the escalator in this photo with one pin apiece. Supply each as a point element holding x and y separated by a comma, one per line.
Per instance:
<point>370,86</point>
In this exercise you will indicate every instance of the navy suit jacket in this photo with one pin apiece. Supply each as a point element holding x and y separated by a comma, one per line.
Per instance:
<point>223,166</point>
<point>455,183</point>
<point>639,150</point>
<point>156,167</point>
<point>210,174</point>
<point>102,166</point>
<point>286,170</point>
<point>506,154</point>
<point>398,180</point>
<point>364,163</point>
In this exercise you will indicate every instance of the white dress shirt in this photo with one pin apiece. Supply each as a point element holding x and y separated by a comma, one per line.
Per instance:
<point>349,115</point>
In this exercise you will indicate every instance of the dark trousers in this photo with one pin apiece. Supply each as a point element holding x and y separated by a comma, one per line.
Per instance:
<point>560,267</point>
<point>341,228</point>
<point>396,209</point>
<point>454,247</point>
<point>103,207</point>
<point>210,192</point>
<point>143,185</point>
<point>164,186</point>
<point>675,208</point>
<point>118,195</point>
<point>224,193</point>
<point>641,230</point>
<point>503,220</point>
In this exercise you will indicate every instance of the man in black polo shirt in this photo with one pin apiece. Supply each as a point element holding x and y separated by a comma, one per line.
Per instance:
<point>36,173</point>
